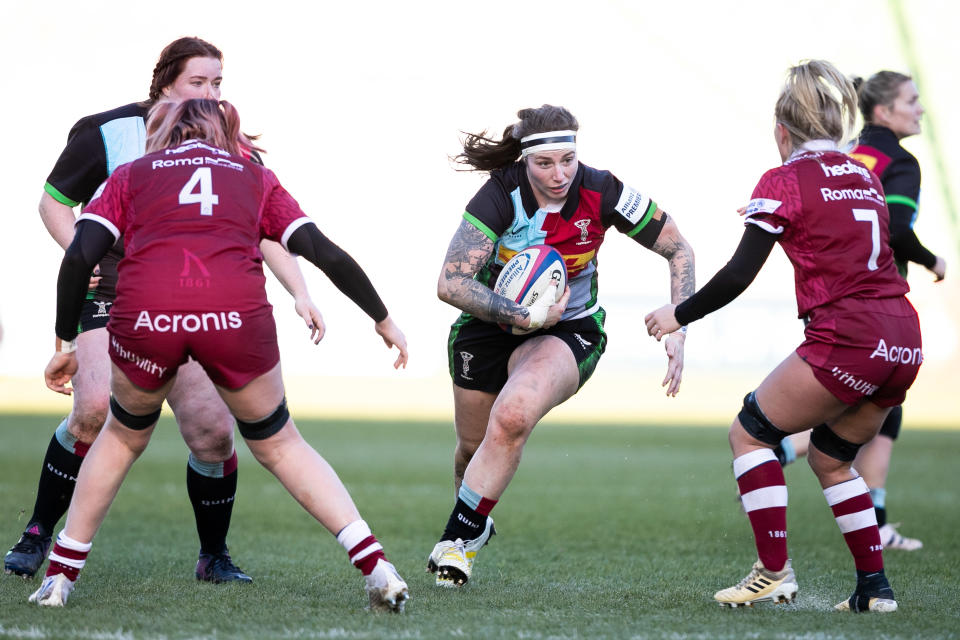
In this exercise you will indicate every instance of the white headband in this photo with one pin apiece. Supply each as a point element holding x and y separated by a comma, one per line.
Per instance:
<point>549,141</point>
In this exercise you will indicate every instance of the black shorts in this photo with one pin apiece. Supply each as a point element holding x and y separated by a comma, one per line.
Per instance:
<point>95,314</point>
<point>478,351</point>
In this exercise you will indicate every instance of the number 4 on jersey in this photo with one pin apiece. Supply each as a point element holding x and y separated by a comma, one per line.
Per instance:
<point>205,197</point>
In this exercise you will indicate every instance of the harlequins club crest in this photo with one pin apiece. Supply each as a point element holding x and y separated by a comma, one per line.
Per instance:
<point>583,225</point>
<point>466,357</point>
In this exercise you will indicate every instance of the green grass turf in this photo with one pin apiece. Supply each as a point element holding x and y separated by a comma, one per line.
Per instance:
<point>618,532</point>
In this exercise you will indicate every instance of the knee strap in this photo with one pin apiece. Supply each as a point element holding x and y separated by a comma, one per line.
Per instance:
<point>891,426</point>
<point>757,424</point>
<point>263,429</point>
<point>829,443</point>
<point>127,419</point>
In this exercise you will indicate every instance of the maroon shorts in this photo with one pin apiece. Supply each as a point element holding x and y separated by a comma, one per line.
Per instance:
<point>864,348</point>
<point>233,347</point>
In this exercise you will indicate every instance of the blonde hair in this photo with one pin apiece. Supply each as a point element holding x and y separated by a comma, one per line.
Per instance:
<point>817,103</point>
<point>216,122</point>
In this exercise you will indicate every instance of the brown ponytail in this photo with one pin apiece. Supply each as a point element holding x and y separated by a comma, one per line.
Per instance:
<point>482,153</point>
<point>882,88</point>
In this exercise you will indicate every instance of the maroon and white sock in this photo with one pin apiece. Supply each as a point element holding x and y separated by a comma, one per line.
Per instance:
<point>361,546</point>
<point>763,492</point>
<point>855,515</point>
<point>68,556</point>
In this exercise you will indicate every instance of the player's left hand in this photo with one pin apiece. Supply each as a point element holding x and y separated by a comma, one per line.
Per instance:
<point>662,321</point>
<point>674,347</point>
<point>393,337</point>
<point>59,371</point>
<point>311,316</point>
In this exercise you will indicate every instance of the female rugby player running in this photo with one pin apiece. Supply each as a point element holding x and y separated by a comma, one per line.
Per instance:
<point>503,384</point>
<point>195,195</point>
<point>862,347</point>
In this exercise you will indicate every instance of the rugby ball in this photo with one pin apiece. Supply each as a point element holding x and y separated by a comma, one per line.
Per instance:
<point>528,275</point>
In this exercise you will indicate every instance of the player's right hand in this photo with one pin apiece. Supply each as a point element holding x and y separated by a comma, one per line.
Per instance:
<point>393,337</point>
<point>311,316</point>
<point>59,371</point>
<point>939,269</point>
<point>555,311</point>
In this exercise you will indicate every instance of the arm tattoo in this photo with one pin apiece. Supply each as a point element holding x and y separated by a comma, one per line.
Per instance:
<point>468,252</point>
<point>679,254</point>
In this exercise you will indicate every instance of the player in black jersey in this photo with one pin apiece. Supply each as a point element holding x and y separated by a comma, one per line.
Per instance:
<point>96,145</point>
<point>538,192</point>
<point>891,109</point>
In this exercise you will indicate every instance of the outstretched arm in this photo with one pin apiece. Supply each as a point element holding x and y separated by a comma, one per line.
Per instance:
<point>351,280</point>
<point>732,280</point>
<point>469,250</point>
<point>679,255</point>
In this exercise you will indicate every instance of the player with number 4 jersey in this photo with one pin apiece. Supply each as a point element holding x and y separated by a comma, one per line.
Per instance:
<point>862,346</point>
<point>195,199</point>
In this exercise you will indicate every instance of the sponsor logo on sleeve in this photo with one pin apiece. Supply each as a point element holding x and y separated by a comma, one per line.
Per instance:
<point>632,205</point>
<point>762,205</point>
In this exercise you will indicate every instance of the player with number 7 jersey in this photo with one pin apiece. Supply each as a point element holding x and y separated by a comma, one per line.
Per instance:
<point>829,214</point>
<point>862,346</point>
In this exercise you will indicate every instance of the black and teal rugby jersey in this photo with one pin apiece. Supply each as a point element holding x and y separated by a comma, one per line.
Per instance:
<point>506,210</point>
<point>899,172</point>
<point>96,146</point>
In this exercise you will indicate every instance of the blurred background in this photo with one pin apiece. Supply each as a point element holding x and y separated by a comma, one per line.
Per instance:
<point>361,104</point>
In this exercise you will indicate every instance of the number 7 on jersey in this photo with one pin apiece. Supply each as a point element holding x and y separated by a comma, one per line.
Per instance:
<point>199,190</point>
<point>861,215</point>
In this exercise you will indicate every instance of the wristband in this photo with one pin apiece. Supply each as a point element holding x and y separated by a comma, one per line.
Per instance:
<point>682,330</point>
<point>66,346</point>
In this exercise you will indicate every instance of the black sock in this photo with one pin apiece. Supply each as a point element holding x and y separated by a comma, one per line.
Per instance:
<point>464,523</point>
<point>881,515</point>
<point>781,455</point>
<point>58,477</point>
<point>212,498</point>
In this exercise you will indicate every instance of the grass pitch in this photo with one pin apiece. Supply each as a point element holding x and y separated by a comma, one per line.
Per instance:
<point>606,532</point>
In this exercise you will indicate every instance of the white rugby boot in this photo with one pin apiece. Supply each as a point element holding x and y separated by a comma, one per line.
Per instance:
<point>452,560</point>
<point>387,590</point>
<point>890,538</point>
<point>53,591</point>
<point>760,585</point>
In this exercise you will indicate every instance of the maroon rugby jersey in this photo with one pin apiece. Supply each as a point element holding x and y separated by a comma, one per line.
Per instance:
<point>192,218</point>
<point>830,214</point>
